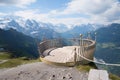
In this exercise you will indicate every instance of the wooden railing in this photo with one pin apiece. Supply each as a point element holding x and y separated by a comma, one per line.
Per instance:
<point>56,43</point>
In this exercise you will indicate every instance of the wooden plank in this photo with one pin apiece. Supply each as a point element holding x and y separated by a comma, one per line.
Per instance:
<point>95,74</point>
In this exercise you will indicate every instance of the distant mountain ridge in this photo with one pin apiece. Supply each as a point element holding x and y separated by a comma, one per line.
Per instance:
<point>29,27</point>
<point>80,29</point>
<point>110,33</point>
<point>39,29</point>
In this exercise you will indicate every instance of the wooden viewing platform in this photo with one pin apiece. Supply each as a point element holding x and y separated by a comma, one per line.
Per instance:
<point>67,53</point>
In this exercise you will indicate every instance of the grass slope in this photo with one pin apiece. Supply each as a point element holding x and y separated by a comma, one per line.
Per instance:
<point>86,67</point>
<point>13,62</point>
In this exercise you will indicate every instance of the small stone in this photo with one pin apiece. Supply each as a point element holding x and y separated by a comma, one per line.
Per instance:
<point>53,76</point>
<point>20,73</point>
<point>64,70</point>
<point>63,77</point>
<point>38,72</point>
<point>70,78</point>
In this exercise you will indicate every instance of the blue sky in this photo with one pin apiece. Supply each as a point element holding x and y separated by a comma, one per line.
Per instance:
<point>69,12</point>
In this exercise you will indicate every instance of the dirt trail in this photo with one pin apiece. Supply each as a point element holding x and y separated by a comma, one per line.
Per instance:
<point>41,71</point>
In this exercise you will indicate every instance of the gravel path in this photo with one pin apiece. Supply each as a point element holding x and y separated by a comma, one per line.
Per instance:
<point>41,71</point>
<point>2,70</point>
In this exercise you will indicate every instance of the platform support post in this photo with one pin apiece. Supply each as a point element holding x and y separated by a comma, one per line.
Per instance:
<point>75,56</point>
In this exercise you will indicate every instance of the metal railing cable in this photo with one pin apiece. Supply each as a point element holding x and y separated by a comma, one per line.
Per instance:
<point>107,64</point>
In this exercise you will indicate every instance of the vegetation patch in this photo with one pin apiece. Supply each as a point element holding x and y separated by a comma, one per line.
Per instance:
<point>86,67</point>
<point>4,55</point>
<point>108,45</point>
<point>114,77</point>
<point>15,62</point>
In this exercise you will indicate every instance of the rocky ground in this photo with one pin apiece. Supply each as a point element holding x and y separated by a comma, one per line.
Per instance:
<point>41,71</point>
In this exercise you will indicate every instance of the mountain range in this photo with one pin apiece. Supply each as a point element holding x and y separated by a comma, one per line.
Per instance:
<point>34,29</point>
<point>28,27</point>
<point>19,36</point>
<point>37,29</point>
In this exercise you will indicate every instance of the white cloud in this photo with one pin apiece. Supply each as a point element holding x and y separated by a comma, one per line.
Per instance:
<point>69,21</point>
<point>2,14</point>
<point>27,14</point>
<point>18,3</point>
<point>98,11</point>
<point>88,6</point>
<point>32,14</point>
<point>113,13</point>
<point>45,17</point>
